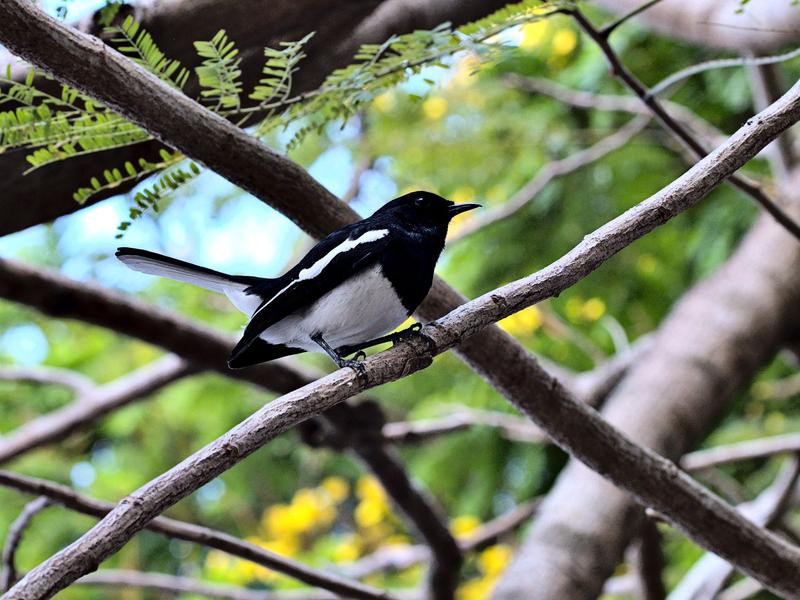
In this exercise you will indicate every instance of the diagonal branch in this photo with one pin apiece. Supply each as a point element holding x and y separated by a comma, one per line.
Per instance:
<point>197,534</point>
<point>528,193</point>
<point>76,382</point>
<point>708,575</point>
<point>90,406</point>
<point>14,537</point>
<point>648,477</point>
<point>619,70</point>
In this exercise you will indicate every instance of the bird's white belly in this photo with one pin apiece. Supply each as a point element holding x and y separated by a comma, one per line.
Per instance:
<point>364,307</point>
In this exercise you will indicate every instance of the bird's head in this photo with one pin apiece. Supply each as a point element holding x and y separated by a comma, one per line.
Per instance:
<point>424,210</point>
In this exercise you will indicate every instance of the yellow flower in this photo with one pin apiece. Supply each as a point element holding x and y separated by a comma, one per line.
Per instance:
<point>384,103</point>
<point>368,488</point>
<point>523,322</point>
<point>533,34</point>
<point>494,559</point>
<point>647,264</point>
<point>337,488</point>
<point>564,41</point>
<point>574,309</point>
<point>593,309</point>
<point>348,550</point>
<point>434,108</point>
<point>464,524</point>
<point>475,589</point>
<point>369,513</point>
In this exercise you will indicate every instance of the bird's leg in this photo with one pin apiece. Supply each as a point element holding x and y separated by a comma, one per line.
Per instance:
<point>340,361</point>
<point>397,336</point>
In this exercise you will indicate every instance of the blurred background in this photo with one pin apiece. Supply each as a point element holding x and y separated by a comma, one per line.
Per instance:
<point>467,131</point>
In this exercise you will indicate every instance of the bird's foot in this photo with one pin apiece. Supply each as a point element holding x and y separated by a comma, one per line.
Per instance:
<point>355,364</point>
<point>406,334</point>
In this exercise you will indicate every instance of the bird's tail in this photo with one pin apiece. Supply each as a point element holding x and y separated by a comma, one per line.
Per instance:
<point>234,286</point>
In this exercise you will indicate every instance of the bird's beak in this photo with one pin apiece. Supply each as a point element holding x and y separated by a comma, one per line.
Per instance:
<point>457,209</point>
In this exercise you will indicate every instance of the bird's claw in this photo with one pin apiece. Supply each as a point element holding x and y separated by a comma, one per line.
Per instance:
<point>357,366</point>
<point>360,355</point>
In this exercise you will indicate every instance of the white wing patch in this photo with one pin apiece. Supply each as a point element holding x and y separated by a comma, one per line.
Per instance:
<point>319,266</point>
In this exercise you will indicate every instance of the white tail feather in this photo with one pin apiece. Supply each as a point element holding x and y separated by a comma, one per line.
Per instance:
<point>246,303</point>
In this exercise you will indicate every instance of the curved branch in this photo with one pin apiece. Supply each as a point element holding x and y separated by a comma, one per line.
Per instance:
<point>90,406</point>
<point>650,478</point>
<point>750,188</point>
<point>196,534</point>
<point>749,450</point>
<point>14,537</point>
<point>76,382</point>
<point>575,161</point>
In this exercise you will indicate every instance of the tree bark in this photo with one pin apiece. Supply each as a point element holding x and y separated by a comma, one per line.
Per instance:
<point>716,338</point>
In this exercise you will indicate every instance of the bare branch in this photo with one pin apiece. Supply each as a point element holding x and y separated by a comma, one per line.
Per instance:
<point>650,562</point>
<point>618,69</point>
<point>492,530</point>
<point>398,558</point>
<point>575,427</point>
<point>90,406</point>
<point>614,103</point>
<point>749,450</point>
<point>768,84</point>
<point>574,162</point>
<point>48,376</point>
<point>197,534</point>
<point>709,574</point>
<point>418,509</point>
<point>173,584</point>
<point>14,538</point>
<point>609,28</point>
<point>721,63</point>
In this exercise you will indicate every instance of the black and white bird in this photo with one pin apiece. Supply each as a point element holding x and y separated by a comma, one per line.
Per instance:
<point>356,285</point>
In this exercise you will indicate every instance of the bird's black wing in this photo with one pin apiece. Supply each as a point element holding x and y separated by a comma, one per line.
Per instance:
<point>330,263</point>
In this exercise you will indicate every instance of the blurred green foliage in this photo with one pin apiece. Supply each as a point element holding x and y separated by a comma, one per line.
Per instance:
<point>472,136</point>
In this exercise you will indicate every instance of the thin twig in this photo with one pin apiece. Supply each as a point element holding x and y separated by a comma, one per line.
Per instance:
<point>650,562</point>
<point>14,538</point>
<point>197,534</point>
<point>615,103</point>
<point>575,161</point>
<point>72,380</point>
<point>722,63</point>
<point>749,450</point>
<point>608,29</point>
<point>90,405</point>
<point>618,69</point>
<point>174,585</point>
<point>491,531</point>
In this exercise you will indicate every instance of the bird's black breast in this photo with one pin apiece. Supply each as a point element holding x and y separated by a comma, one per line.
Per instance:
<point>408,264</point>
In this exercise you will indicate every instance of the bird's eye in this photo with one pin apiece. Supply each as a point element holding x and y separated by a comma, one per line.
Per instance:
<point>422,202</point>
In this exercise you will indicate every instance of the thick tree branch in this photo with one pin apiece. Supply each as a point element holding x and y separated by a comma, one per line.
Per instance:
<point>90,406</point>
<point>653,480</point>
<point>716,338</point>
<point>750,188</point>
<point>708,575</point>
<point>197,534</point>
<point>574,162</point>
<point>14,538</point>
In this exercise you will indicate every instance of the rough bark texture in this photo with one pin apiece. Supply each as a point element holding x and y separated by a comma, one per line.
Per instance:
<point>760,26</point>
<point>340,28</point>
<point>653,480</point>
<point>716,338</point>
